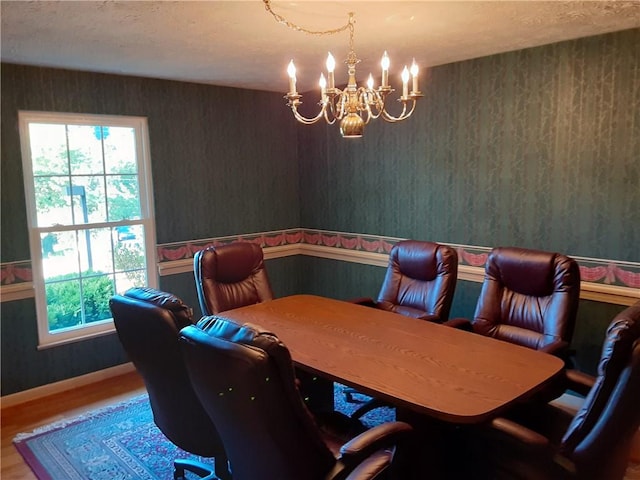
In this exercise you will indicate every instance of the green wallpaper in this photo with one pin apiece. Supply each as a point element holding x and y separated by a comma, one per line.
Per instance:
<point>223,162</point>
<point>537,148</point>
<point>223,159</point>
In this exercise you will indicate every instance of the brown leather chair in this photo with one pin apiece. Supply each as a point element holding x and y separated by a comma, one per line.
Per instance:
<point>420,281</point>
<point>529,297</point>
<point>233,276</point>
<point>148,322</point>
<point>244,377</point>
<point>546,442</point>
<point>230,276</point>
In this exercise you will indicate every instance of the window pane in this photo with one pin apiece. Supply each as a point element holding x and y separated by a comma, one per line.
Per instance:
<point>85,150</point>
<point>48,149</point>
<point>89,200</point>
<point>95,247</point>
<point>135,278</point>
<point>96,292</point>
<point>123,197</point>
<point>129,251</point>
<point>63,304</point>
<point>120,150</point>
<point>52,202</point>
<point>60,255</point>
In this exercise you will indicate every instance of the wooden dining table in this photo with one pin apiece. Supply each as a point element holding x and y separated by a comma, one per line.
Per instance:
<point>430,369</point>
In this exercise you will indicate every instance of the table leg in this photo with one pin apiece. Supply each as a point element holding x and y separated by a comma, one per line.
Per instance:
<point>436,451</point>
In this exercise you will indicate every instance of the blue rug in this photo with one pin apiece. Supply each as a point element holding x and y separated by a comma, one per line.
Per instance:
<point>121,442</point>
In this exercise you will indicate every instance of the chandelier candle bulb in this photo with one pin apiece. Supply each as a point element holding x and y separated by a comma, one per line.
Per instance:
<point>405,82</point>
<point>384,63</point>
<point>370,82</point>
<point>291,70</point>
<point>414,74</point>
<point>331,65</point>
<point>323,88</point>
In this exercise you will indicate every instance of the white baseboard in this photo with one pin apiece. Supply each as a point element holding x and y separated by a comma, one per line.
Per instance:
<point>64,385</point>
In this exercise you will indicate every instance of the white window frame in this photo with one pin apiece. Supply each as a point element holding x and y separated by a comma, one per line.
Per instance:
<point>147,221</point>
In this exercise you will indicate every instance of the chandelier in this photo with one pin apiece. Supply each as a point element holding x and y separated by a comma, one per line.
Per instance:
<point>353,106</point>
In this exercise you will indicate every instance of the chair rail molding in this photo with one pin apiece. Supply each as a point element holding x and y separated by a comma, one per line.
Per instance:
<point>603,280</point>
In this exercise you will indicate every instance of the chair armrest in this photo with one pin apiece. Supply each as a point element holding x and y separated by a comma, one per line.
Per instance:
<point>380,436</point>
<point>579,382</point>
<point>371,467</point>
<point>459,323</point>
<point>520,433</point>
<point>430,318</point>
<point>366,301</point>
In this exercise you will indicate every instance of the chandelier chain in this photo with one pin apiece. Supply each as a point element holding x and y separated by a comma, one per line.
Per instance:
<point>298,28</point>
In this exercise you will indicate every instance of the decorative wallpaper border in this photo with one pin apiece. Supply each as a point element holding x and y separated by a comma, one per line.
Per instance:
<point>609,272</point>
<point>612,281</point>
<point>15,272</point>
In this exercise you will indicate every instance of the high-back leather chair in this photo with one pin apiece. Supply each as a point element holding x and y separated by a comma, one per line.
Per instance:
<point>420,281</point>
<point>148,322</point>
<point>528,297</point>
<point>230,276</point>
<point>545,442</point>
<point>244,377</point>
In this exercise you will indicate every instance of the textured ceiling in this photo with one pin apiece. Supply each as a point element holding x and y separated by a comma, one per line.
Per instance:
<point>238,43</point>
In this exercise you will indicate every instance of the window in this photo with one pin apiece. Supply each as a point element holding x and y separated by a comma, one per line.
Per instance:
<point>89,208</point>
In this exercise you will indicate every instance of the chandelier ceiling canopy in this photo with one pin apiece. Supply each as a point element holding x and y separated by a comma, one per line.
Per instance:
<point>354,106</point>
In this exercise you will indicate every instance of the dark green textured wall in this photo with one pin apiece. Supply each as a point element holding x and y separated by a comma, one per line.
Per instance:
<point>537,148</point>
<point>223,162</point>
<point>223,159</point>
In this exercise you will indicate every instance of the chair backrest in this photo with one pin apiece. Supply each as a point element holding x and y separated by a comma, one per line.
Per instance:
<point>420,280</point>
<point>244,378</point>
<point>599,437</point>
<point>528,297</point>
<point>148,323</point>
<point>230,276</point>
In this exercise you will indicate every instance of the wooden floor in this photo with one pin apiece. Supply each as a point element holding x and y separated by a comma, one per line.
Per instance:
<point>28,416</point>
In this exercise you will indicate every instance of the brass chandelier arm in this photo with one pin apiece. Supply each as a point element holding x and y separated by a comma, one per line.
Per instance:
<point>298,28</point>
<point>293,103</point>
<point>305,120</point>
<point>330,116</point>
<point>386,116</point>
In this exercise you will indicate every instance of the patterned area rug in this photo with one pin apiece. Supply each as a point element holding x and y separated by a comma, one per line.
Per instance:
<point>121,442</point>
